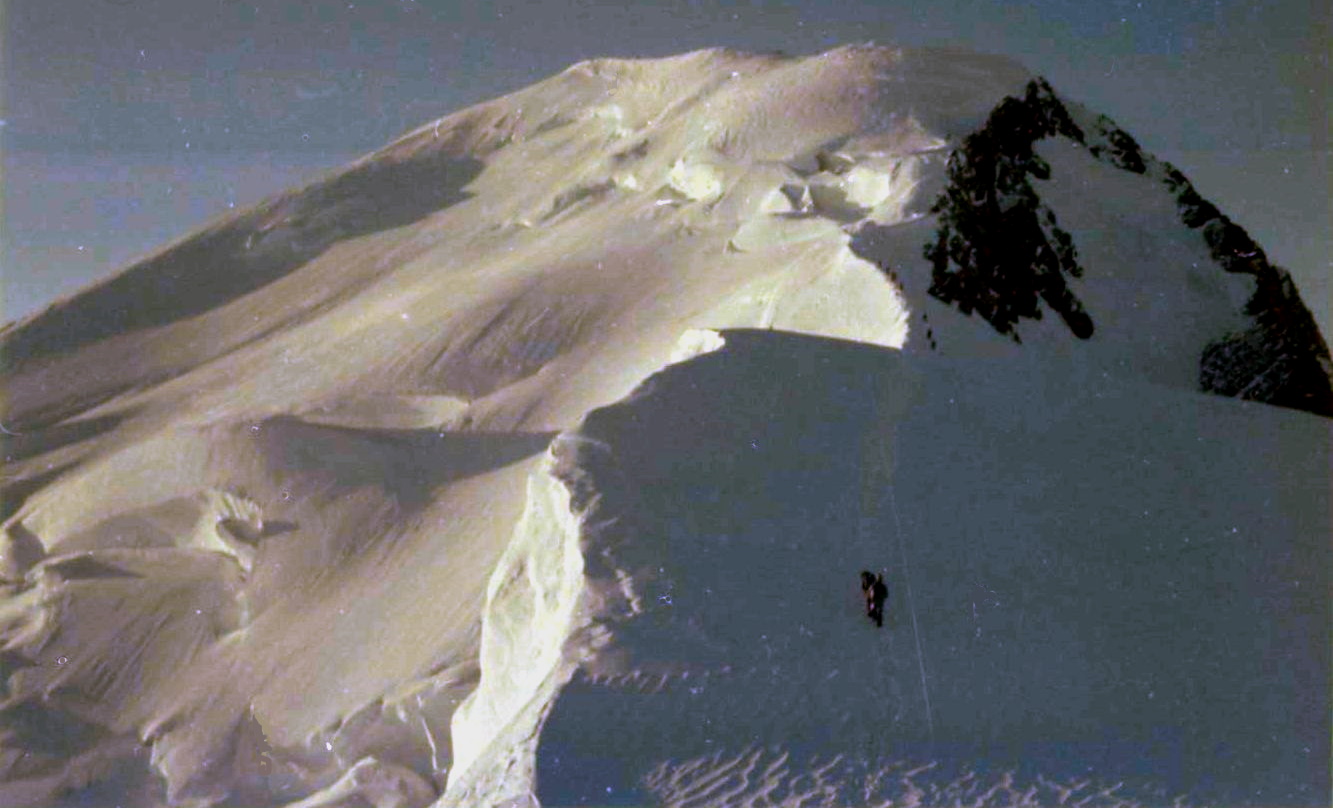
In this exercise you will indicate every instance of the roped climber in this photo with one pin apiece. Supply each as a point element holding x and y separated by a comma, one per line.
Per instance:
<point>876,592</point>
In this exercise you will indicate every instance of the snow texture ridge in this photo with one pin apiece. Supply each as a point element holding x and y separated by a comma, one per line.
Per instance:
<point>533,602</point>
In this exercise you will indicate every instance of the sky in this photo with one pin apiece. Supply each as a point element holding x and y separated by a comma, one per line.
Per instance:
<point>126,123</point>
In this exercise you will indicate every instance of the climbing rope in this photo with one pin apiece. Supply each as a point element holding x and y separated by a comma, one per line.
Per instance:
<point>911,607</point>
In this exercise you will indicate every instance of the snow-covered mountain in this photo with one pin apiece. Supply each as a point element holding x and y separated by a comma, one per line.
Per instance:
<point>533,458</point>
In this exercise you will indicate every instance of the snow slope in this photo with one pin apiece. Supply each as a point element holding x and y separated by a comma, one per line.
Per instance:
<point>274,498</point>
<point>1095,590</point>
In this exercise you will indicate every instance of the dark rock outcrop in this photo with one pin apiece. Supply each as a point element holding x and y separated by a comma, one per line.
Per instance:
<point>999,251</point>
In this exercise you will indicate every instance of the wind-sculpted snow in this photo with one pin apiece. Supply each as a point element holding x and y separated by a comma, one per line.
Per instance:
<point>250,251</point>
<point>763,778</point>
<point>533,604</point>
<point>277,496</point>
<point>1095,596</point>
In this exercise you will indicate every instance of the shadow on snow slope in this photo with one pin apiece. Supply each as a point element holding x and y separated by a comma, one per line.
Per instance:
<point>1089,581</point>
<point>409,464</point>
<point>246,253</point>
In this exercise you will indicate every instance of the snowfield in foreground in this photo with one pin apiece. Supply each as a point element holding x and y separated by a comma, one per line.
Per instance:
<point>1095,590</point>
<point>533,459</point>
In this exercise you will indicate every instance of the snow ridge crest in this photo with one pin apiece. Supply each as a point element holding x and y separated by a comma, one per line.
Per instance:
<point>532,640</point>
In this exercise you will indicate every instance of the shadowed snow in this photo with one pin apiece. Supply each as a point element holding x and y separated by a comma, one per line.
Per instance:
<point>1090,584</point>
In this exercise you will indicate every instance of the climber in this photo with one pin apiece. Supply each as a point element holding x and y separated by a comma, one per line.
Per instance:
<point>876,592</point>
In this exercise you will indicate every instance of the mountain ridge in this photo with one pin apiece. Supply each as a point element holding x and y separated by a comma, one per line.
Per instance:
<point>321,452</point>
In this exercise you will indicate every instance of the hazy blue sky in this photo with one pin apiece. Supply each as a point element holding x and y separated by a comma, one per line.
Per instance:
<point>127,122</point>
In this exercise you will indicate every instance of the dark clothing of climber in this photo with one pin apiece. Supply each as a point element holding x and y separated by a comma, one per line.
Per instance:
<point>876,592</point>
